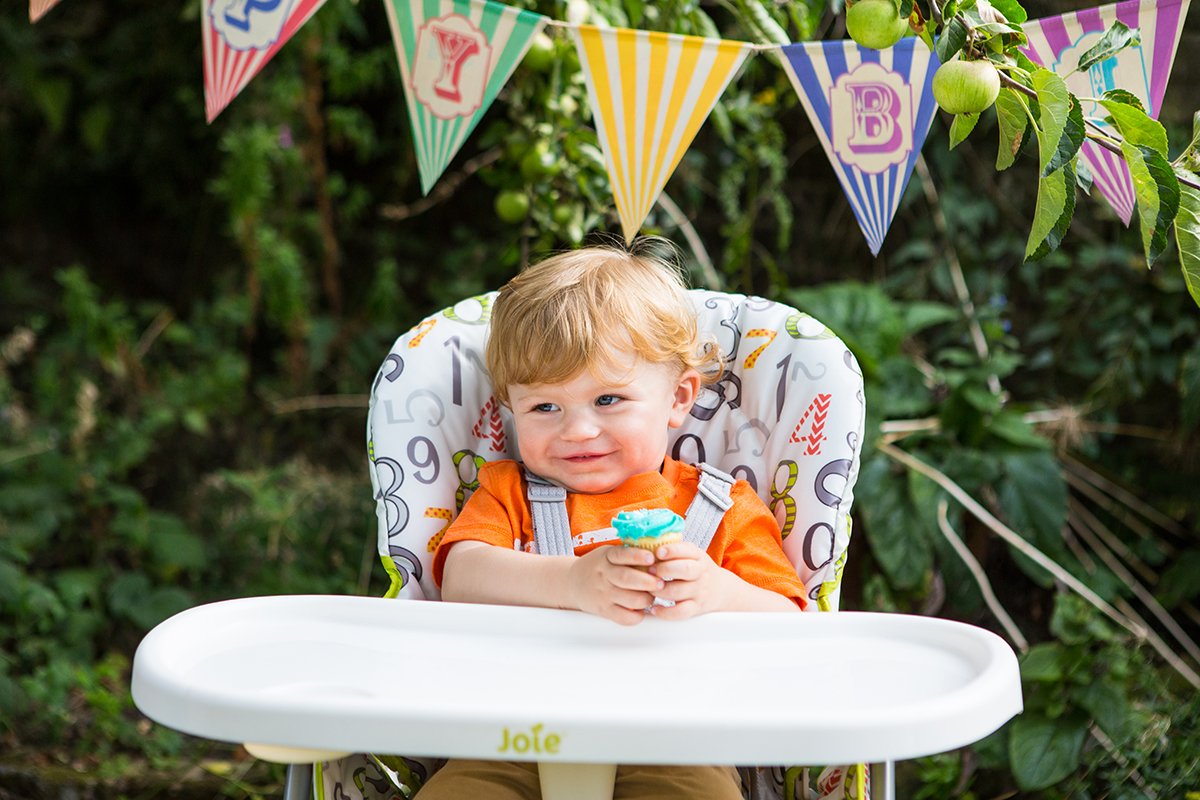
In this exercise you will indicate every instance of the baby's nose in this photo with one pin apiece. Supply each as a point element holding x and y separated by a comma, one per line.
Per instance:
<point>577,427</point>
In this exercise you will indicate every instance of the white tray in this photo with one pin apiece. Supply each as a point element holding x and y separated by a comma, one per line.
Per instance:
<point>443,679</point>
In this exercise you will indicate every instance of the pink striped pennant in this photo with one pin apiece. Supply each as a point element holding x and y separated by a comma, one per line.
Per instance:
<point>38,8</point>
<point>240,37</point>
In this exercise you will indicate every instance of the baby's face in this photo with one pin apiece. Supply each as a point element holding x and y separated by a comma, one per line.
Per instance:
<point>592,434</point>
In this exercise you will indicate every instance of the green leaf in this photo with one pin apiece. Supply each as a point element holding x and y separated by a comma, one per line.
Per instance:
<point>1181,581</point>
<point>980,397</point>
<point>919,316</point>
<point>1033,495</point>
<point>1054,102</point>
<point>77,587</point>
<point>1135,126</point>
<point>1075,622</point>
<point>1012,428</point>
<point>1011,9</point>
<point>1189,155</point>
<point>1115,39</point>
<point>132,596</point>
<point>1125,97</point>
<point>1083,176</point>
<point>893,525</point>
<point>10,581</point>
<point>1187,235</point>
<point>1043,663</point>
<point>12,699</point>
<point>1074,132</point>
<point>1158,195</point>
<point>53,95</point>
<point>1026,64</point>
<point>1189,391</point>
<point>1053,213</point>
<point>1014,127</point>
<point>962,126</point>
<point>870,322</point>
<point>898,390</point>
<point>763,23</point>
<point>952,40</point>
<point>1105,699</point>
<point>1044,751</point>
<point>1008,34</point>
<point>634,10</point>
<point>992,750</point>
<point>178,548</point>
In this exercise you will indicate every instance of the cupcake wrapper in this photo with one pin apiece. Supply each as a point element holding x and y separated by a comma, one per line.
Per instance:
<point>652,543</point>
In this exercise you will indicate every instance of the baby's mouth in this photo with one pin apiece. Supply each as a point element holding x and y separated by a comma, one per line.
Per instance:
<point>584,458</point>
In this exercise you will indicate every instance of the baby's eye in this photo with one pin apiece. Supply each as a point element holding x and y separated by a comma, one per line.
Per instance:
<point>544,408</point>
<point>607,400</point>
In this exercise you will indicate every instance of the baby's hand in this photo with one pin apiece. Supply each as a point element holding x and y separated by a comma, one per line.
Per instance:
<point>691,578</point>
<point>605,582</point>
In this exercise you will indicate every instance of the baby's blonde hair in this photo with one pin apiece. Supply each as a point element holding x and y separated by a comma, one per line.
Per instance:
<point>585,308</point>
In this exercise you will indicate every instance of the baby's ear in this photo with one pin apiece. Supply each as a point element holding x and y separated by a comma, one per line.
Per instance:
<point>686,392</point>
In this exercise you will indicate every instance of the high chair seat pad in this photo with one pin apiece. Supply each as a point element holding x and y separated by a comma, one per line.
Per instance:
<point>786,415</point>
<point>339,673</point>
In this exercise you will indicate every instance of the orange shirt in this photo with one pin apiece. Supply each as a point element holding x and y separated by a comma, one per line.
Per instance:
<point>747,542</point>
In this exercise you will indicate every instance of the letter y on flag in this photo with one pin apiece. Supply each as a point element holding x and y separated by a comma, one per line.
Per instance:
<point>650,93</point>
<point>455,57</point>
<point>1057,43</point>
<point>872,110</point>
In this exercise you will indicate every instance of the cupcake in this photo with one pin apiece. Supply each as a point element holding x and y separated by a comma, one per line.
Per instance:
<point>648,529</point>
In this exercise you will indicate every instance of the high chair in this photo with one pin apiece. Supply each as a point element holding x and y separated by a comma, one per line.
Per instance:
<point>316,679</point>
<point>786,415</point>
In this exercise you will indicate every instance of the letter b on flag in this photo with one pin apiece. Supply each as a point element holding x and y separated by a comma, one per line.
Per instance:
<point>871,118</point>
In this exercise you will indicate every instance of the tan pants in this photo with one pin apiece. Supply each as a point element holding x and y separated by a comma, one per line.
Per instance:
<point>464,779</point>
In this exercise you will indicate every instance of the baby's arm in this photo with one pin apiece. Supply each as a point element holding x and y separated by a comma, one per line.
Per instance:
<point>698,585</point>
<point>603,582</point>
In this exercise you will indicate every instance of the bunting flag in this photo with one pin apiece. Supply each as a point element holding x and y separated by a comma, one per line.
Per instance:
<point>650,93</point>
<point>1057,43</point>
<point>871,110</point>
<point>455,57</point>
<point>38,8</point>
<point>239,37</point>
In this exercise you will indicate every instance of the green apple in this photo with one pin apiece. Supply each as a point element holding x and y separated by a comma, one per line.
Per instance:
<point>540,55</point>
<point>875,23</point>
<point>966,87</point>
<point>563,214</point>
<point>512,206</point>
<point>539,163</point>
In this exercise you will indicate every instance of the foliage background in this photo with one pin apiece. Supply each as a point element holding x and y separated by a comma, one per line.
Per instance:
<point>191,315</point>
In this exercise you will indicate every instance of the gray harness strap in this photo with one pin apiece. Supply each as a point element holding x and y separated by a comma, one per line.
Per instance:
<point>552,526</point>
<point>708,507</point>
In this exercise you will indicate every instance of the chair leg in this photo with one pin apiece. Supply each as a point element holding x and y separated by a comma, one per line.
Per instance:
<point>299,782</point>
<point>883,781</point>
<point>561,781</point>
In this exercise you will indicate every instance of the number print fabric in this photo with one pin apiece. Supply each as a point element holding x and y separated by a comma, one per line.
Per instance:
<point>786,415</point>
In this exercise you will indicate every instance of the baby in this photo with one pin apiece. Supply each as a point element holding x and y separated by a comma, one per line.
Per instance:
<point>596,352</point>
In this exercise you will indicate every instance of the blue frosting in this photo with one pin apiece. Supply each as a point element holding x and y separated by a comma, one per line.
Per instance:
<point>647,523</point>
